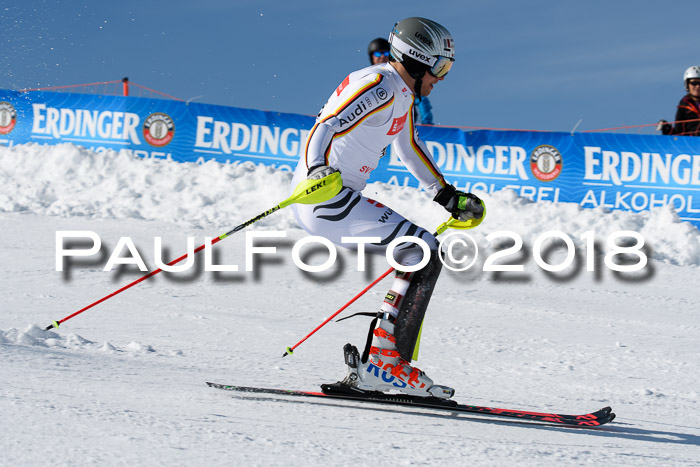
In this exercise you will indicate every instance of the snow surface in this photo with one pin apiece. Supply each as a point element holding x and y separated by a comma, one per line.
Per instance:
<point>123,382</point>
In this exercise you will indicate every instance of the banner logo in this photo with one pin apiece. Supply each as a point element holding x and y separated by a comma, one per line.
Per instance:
<point>158,129</point>
<point>546,163</point>
<point>8,117</point>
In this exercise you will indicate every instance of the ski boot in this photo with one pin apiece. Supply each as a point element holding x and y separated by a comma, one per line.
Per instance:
<point>377,375</point>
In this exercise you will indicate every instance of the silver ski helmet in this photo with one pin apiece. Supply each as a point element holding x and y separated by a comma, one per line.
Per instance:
<point>690,73</point>
<point>421,44</point>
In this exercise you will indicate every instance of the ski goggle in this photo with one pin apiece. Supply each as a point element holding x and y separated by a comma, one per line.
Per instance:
<point>441,67</point>
<point>381,54</point>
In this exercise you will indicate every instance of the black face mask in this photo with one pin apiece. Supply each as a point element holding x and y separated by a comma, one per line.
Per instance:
<point>416,70</point>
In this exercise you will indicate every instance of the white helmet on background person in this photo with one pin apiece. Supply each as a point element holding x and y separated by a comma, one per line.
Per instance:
<point>690,73</point>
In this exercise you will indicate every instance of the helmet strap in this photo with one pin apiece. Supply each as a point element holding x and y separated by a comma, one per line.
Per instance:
<point>416,88</point>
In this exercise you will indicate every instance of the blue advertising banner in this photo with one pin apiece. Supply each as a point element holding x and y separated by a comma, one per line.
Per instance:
<point>616,171</point>
<point>153,128</point>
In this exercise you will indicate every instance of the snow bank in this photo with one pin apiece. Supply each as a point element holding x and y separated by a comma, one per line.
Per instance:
<point>35,336</point>
<point>68,180</point>
<point>126,381</point>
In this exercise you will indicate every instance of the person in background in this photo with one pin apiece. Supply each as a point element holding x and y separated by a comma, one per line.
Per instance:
<point>378,51</point>
<point>687,121</point>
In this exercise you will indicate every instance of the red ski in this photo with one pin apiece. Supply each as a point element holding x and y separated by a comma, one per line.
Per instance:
<point>337,391</point>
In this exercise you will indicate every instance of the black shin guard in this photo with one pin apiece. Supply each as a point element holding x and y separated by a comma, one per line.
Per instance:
<point>413,306</point>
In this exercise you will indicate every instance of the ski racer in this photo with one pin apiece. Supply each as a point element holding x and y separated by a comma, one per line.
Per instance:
<point>371,109</point>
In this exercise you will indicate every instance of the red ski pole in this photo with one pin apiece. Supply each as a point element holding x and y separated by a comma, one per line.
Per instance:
<point>450,223</point>
<point>307,192</point>
<point>290,350</point>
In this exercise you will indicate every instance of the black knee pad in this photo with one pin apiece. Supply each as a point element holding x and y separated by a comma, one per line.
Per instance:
<point>414,304</point>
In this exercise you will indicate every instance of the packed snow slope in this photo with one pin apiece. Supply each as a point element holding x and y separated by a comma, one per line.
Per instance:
<point>124,382</point>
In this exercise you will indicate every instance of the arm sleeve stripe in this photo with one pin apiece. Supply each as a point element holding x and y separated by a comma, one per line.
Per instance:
<point>345,132</point>
<point>327,152</point>
<point>348,102</point>
<point>426,159</point>
<point>308,141</point>
<point>378,109</point>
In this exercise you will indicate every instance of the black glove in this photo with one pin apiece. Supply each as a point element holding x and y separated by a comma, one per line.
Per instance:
<point>463,206</point>
<point>664,127</point>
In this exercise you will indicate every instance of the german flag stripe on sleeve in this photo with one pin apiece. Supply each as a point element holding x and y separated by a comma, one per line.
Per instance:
<point>425,158</point>
<point>327,152</point>
<point>308,141</point>
<point>349,101</point>
<point>354,125</point>
<point>342,107</point>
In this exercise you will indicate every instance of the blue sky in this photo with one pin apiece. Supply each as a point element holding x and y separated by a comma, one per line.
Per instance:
<point>542,65</point>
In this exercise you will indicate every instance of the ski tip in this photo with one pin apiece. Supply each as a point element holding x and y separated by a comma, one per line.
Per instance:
<point>605,419</point>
